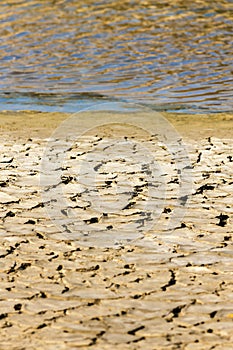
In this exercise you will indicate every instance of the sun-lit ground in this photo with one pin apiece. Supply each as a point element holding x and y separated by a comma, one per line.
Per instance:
<point>112,277</point>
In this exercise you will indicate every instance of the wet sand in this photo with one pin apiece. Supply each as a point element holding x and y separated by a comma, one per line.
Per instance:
<point>157,288</point>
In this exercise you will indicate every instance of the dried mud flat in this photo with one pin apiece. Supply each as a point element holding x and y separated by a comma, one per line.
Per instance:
<point>118,279</point>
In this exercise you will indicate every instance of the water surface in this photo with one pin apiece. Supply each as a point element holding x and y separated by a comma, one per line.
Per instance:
<point>174,55</point>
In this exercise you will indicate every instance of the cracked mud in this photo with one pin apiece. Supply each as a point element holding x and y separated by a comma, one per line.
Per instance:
<point>157,289</point>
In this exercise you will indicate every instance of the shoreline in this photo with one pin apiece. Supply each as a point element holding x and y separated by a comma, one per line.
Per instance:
<point>42,124</point>
<point>110,263</point>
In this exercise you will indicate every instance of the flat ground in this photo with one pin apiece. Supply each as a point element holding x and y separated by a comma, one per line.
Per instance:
<point>123,242</point>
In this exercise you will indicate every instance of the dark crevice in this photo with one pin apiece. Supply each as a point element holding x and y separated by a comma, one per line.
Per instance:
<point>171,282</point>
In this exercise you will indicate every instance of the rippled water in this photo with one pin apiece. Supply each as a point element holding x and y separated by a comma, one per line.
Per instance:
<point>169,54</point>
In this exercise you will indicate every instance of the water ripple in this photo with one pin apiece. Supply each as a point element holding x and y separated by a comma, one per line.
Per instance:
<point>157,52</point>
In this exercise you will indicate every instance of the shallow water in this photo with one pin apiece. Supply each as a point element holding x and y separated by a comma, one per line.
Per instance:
<point>63,55</point>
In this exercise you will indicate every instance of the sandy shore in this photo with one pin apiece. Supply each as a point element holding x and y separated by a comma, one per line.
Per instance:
<point>125,242</point>
<point>38,124</point>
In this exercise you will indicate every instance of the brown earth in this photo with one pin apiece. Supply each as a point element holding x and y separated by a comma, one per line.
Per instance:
<point>128,245</point>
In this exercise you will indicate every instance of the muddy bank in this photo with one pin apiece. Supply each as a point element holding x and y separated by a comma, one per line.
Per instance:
<point>38,124</point>
<point>139,257</point>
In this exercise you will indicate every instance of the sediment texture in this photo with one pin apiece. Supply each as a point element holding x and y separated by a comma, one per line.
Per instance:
<point>106,278</point>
